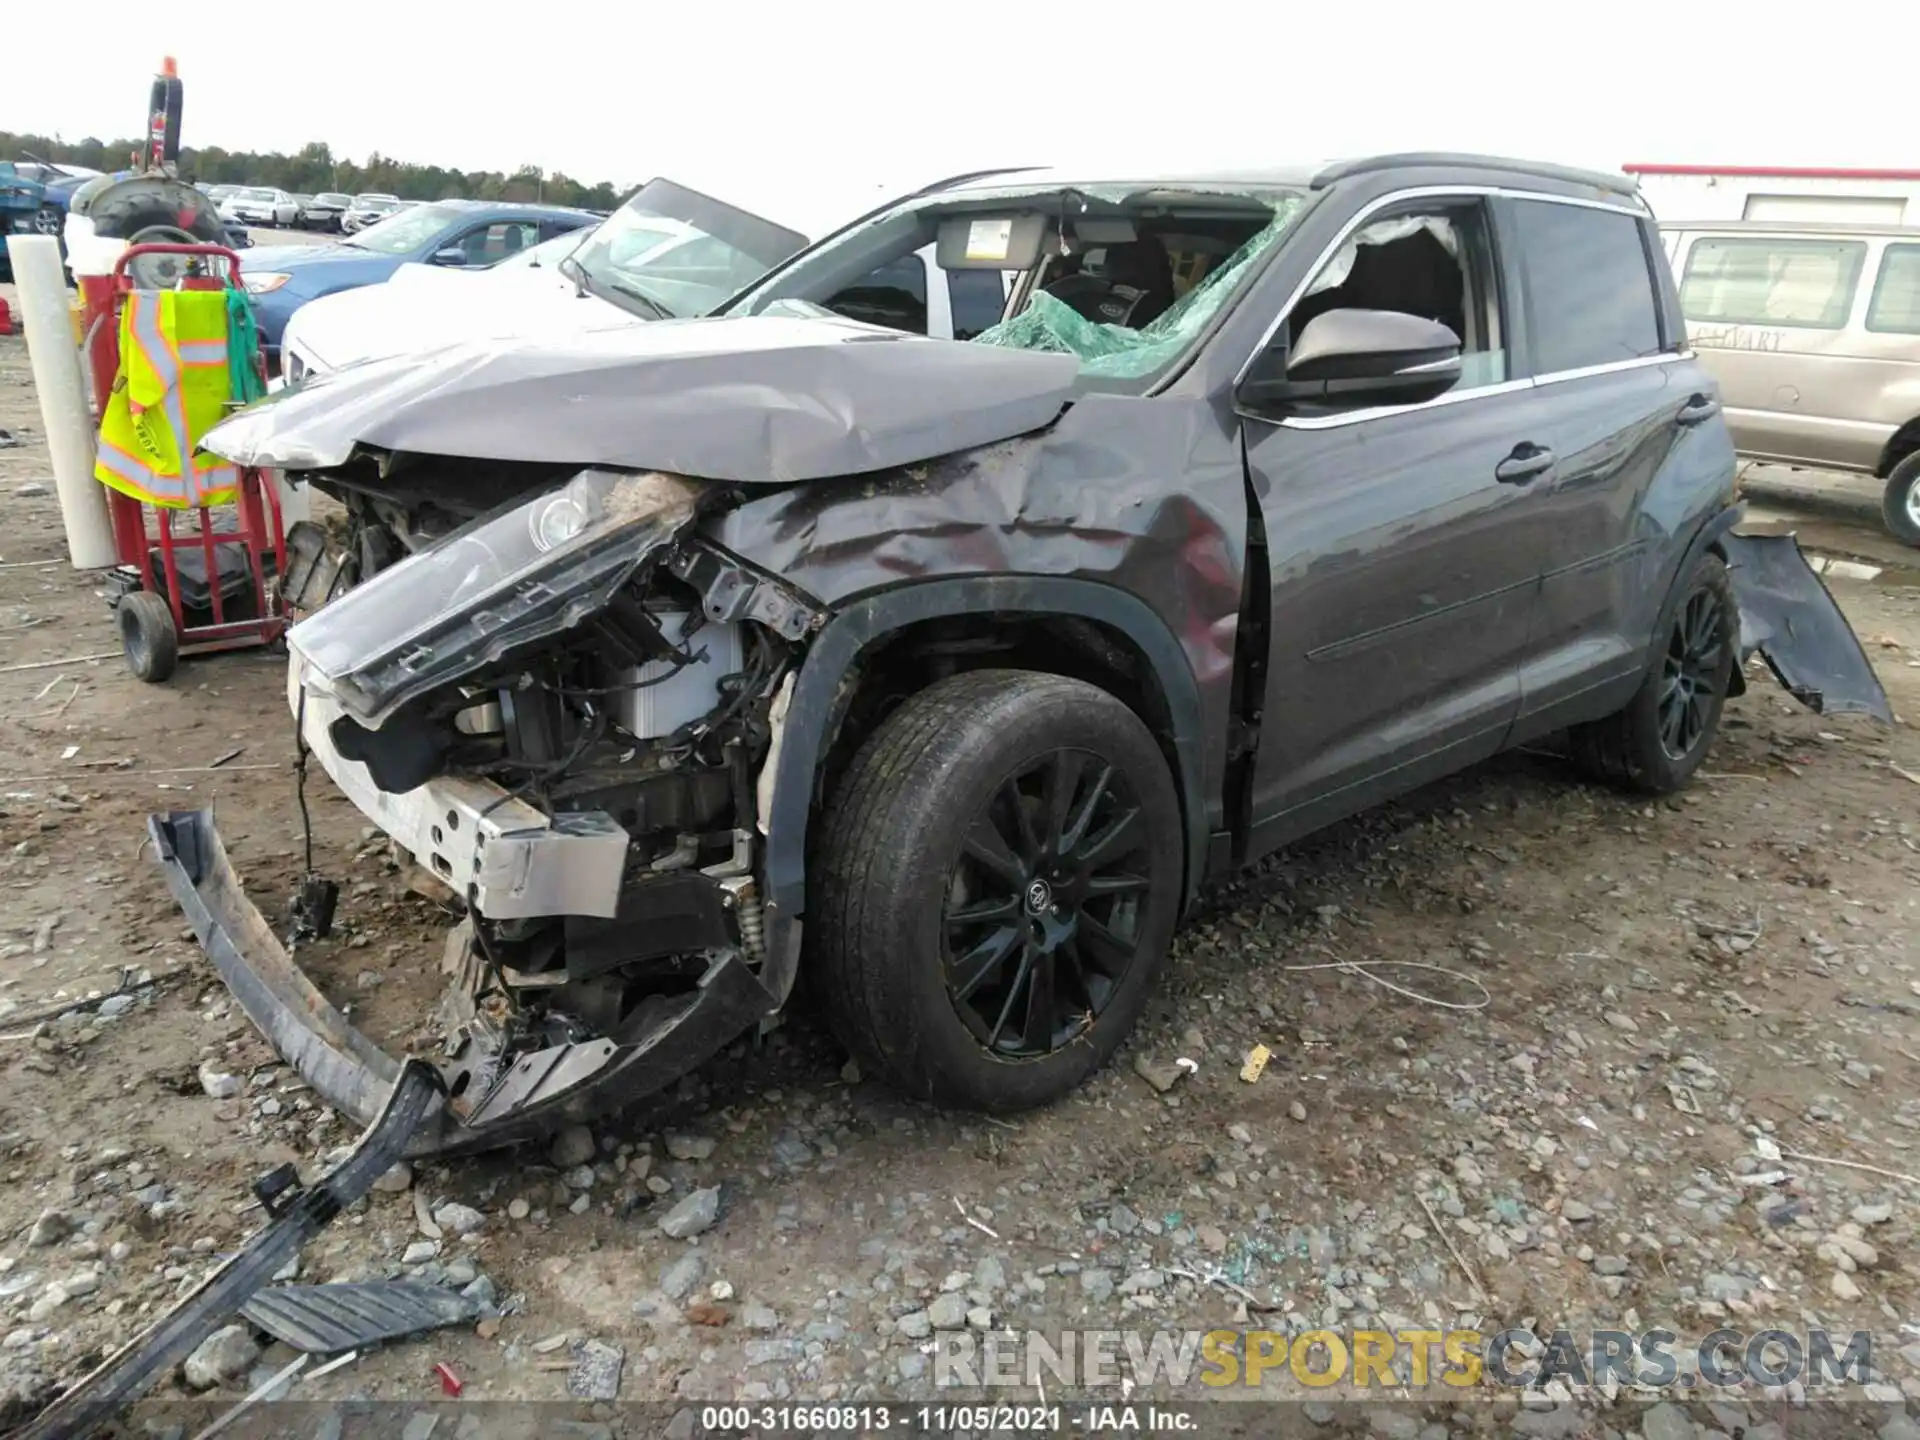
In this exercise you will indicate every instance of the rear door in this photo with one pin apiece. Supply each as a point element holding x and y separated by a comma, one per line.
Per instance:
<point>1639,453</point>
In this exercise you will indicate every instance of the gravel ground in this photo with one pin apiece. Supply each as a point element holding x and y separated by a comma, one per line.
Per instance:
<point>1683,1002</point>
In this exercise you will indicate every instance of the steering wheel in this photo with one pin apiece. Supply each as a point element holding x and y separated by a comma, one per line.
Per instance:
<point>1098,299</point>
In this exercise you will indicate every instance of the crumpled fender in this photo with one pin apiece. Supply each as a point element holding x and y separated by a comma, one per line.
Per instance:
<point>1790,619</point>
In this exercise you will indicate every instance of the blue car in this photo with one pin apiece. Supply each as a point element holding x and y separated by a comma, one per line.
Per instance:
<point>465,234</point>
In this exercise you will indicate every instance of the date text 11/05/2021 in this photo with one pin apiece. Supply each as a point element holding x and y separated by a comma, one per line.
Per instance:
<point>951,1419</point>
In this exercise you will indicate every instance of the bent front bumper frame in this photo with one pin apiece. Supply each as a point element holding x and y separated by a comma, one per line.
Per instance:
<point>540,1090</point>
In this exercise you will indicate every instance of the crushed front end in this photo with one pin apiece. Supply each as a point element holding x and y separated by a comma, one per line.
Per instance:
<point>563,712</point>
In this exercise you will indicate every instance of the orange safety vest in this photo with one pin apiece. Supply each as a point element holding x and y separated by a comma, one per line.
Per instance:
<point>172,388</point>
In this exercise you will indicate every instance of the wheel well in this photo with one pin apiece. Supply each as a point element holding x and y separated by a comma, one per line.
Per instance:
<point>905,661</point>
<point>1905,441</point>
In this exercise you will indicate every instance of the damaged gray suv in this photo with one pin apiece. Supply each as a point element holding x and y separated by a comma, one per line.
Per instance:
<point>698,657</point>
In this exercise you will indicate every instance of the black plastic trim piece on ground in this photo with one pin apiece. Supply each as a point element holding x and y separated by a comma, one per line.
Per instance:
<point>129,1372</point>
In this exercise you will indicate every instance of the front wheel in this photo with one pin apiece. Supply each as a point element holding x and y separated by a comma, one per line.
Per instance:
<point>1000,873</point>
<point>1658,739</point>
<point>1900,504</point>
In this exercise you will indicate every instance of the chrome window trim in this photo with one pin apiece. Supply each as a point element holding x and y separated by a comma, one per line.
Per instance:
<point>1504,387</point>
<point>1378,412</point>
<point>1455,397</point>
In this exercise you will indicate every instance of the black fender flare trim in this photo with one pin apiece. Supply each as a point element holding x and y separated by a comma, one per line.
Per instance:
<point>818,697</point>
<point>1704,539</point>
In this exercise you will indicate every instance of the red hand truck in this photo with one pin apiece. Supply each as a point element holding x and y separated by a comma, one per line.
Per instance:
<point>159,622</point>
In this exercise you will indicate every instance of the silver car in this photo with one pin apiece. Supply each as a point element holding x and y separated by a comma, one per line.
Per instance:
<point>366,209</point>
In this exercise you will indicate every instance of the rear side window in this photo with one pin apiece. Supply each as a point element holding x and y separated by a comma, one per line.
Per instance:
<point>1896,296</point>
<point>1764,280</point>
<point>1590,295</point>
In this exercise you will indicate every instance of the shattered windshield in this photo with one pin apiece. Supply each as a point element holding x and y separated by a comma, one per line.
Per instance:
<point>1121,352</point>
<point>671,252</point>
<point>1124,278</point>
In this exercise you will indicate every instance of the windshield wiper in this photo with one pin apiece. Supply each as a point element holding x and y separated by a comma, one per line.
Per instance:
<point>660,312</point>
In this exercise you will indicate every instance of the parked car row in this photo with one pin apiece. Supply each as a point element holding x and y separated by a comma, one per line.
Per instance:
<point>330,211</point>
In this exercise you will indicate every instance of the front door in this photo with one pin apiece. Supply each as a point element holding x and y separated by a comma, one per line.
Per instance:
<point>1402,553</point>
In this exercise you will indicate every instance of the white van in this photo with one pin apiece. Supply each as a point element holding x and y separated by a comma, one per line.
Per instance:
<point>1813,331</point>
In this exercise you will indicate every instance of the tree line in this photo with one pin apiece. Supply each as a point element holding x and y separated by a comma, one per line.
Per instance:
<point>314,169</point>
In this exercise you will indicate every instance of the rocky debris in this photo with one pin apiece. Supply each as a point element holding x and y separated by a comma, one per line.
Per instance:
<point>518,1209</point>
<point>595,1373</point>
<point>682,1274</point>
<point>759,1317</point>
<point>690,1147</point>
<point>224,1356</point>
<point>790,1150</point>
<point>460,1219</point>
<point>395,1181</point>
<point>917,1324</point>
<point>51,1228</point>
<point>1162,1075</point>
<point>1843,1287</point>
<point>693,1215</point>
<point>572,1145</point>
<point>420,1252</point>
<point>948,1312</point>
<point>218,1083</point>
<point>1666,1421</point>
<point>1097,1284</point>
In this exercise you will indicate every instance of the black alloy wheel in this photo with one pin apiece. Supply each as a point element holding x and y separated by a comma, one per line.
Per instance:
<point>1692,674</point>
<point>1045,903</point>
<point>999,872</point>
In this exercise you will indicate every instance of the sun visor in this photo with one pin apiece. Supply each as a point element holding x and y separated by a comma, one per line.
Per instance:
<point>990,242</point>
<point>1104,229</point>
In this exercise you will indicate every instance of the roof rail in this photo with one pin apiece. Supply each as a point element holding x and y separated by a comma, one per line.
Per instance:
<point>1435,159</point>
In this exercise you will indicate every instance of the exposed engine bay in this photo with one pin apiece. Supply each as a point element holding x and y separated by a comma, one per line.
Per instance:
<point>564,713</point>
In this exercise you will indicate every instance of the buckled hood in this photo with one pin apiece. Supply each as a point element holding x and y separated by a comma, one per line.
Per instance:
<point>752,400</point>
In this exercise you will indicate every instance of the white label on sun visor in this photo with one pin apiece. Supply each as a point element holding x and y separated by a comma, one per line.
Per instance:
<point>989,239</point>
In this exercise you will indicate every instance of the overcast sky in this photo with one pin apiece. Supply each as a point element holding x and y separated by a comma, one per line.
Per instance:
<point>810,111</point>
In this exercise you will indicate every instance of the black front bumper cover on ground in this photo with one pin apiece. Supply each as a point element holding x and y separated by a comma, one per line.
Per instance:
<point>538,1093</point>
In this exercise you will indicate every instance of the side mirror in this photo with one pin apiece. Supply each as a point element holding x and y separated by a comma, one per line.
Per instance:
<point>1352,358</point>
<point>451,255</point>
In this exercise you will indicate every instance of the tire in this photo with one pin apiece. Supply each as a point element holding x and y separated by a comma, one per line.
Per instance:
<point>147,635</point>
<point>1900,502</point>
<point>150,210</point>
<point>1656,741</point>
<point>930,790</point>
<point>49,220</point>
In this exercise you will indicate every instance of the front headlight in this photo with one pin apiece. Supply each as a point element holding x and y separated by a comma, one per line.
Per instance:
<point>508,580</point>
<point>263,282</point>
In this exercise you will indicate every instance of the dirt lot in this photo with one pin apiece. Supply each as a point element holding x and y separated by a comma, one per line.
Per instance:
<point>1687,1000</point>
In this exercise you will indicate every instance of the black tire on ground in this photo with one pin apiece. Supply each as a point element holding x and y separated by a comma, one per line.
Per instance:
<point>1900,502</point>
<point>1657,740</point>
<point>1004,851</point>
<point>147,635</point>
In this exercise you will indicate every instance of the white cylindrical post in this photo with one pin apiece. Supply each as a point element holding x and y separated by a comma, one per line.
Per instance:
<point>61,386</point>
